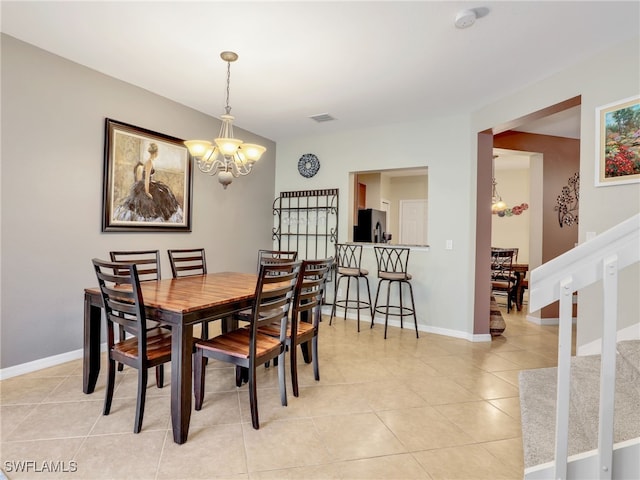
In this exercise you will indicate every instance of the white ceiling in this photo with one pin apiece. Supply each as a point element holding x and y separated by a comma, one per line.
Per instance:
<point>365,63</point>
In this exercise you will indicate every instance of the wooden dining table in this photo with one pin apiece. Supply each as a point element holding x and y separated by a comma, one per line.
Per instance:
<point>180,303</point>
<point>520,270</point>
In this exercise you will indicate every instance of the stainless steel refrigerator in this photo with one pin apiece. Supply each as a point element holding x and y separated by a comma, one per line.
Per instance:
<point>372,225</point>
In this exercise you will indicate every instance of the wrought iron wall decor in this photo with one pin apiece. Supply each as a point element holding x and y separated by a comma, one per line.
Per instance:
<point>307,221</point>
<point>567,204</point>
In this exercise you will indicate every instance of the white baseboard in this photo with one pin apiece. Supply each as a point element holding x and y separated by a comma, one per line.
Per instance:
<point>43,363</point>
<point>583,465</point>
<point>547,321</point>
<point>631,332</point>
<point>326,310</point>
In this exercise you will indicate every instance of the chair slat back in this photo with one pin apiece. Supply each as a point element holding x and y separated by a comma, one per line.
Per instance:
<point>311,284</point>
<point>187,261</point>
<point>122,299</point>
<point>309,290</point>
<point>392,259</point>
<point>348,255</point>
<point>502,263</point>
<point>147,262</point>
<point>273,297</point>
<point>276,256</point>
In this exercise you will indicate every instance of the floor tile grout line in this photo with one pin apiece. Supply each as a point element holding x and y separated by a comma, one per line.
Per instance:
<point>168,434</point>
<point>387,376</point>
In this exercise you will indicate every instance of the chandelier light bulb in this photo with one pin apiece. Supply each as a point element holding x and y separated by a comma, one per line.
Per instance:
<point>499,206</point>
<point>252,151</point>
<point>197,148</point>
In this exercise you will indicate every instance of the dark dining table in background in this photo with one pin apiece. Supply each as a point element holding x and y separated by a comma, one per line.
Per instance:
<point>520,270</point>
<point>180,303</point>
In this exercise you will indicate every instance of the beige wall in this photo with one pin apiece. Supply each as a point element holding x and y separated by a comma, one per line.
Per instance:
<point>52,140</point>
<point>513,231</point>
<point>453,169</point>
<point>381,186</point>
<point>560,161</point>
<point>444,293</point>
<point>600,207</point>
<point>405,188</point>
<point>374,189</point>
<point>53,114</point>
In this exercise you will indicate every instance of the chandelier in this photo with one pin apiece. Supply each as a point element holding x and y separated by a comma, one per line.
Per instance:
<point>227,157</point>
<point>497,204</point>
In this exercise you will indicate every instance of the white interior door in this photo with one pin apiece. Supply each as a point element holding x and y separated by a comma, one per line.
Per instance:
<point>413,222</point>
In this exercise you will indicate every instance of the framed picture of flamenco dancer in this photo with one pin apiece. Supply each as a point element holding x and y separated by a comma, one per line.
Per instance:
<point>147,181</point>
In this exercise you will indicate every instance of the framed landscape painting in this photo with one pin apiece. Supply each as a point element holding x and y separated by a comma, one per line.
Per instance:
<point>618,142</point>
<point>147,181</point>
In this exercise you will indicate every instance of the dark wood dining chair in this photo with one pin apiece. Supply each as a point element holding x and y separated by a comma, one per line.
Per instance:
<point>124,306</point>
<point>148,267</point>
<point>246,348</point>
<point>267,257</point>
<point>276,256</point>
<point>147,262</point>
<point>503,279</point>
<point>305,316</point>
<point>187,261</point>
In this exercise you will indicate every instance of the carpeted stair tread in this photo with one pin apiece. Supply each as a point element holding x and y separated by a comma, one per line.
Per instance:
<point>629,351</point>
<point>538,397</point>
<point>538,414</point>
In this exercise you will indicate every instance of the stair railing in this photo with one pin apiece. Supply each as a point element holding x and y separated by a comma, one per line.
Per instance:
<point>600,258</point>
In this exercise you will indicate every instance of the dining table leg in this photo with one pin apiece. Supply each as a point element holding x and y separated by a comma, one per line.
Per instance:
<point>91,355</point>
<point>306,346</point>
<point>181,383</point>
<point>516,295</point>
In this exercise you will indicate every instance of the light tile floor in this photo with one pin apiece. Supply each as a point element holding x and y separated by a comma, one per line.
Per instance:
<point>401,408</point>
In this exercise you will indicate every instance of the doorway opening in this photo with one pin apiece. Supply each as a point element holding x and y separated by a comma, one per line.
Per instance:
<point>502,136</point>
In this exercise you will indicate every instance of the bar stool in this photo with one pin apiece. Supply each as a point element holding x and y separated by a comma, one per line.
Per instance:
<point>349,257</point>
<point>392,267</point>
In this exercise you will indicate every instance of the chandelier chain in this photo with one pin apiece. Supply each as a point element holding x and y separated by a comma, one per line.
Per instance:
<point>227,107</point>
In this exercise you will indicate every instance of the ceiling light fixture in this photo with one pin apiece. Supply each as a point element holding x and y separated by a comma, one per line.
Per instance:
<point>228,157</point>
<point>497,204</point>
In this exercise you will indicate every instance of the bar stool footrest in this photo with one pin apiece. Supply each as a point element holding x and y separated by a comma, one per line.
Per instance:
<point>353,304</point>
<point>395,310</point>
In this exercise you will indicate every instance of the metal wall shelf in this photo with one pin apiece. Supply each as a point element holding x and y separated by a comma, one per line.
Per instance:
<point>307,221</point>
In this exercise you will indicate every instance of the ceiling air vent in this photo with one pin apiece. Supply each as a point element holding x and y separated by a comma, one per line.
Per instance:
<point>322,117</point>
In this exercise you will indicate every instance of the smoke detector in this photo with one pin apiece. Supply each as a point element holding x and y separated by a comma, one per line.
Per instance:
<point>466,18</point>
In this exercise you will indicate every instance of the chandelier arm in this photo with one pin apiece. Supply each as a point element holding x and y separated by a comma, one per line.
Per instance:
<point>239,168</point>
<point>243,168</point>
<point>212,168</point>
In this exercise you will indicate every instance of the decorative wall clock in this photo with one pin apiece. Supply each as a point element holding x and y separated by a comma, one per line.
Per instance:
<point>308,165</point>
